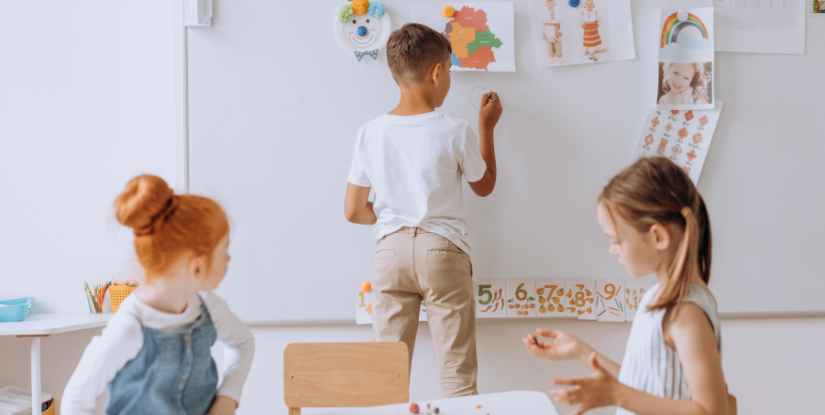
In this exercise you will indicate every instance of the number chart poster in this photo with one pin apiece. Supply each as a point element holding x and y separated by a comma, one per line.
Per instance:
<point>481,34</point>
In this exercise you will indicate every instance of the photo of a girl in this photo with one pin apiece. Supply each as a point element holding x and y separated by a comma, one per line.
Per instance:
<point>685,83</point>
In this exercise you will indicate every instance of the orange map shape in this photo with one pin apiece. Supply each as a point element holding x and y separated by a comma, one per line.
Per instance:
<point>470,17</point>
<point>460,36</point>
<point>478,59</point>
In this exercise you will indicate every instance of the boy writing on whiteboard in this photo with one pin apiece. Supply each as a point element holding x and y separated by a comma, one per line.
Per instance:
<point>413,158</point>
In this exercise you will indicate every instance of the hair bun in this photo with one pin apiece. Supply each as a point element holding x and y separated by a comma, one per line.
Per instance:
<point>146,197</point>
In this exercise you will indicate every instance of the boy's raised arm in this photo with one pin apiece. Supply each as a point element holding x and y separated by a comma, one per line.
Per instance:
<point>357,207</point>
<point>488,116</point>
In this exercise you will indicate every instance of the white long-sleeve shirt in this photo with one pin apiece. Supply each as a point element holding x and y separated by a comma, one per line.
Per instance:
<point>122,340</point>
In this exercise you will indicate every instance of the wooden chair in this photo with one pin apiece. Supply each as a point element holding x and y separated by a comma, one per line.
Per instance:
<point>345,375</point>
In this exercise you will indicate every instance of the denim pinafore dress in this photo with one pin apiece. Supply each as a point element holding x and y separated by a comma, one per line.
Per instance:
<point>172,374</point>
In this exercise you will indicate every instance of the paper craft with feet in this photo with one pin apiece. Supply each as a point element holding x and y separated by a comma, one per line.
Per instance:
<point>550,295</point>
<point>363,307</point>
<point>580,299</point>
<point>481,34</point>
<point>685,59</point>
<point>634,290</point>
<point>591,31</point>
<point>684,139</point>
<point>520,298</point>
<point>610,304</point>
<point>363,27</point>
<point>490,299</point>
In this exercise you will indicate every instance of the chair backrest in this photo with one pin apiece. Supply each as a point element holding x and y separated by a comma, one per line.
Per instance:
<point>345,375</point>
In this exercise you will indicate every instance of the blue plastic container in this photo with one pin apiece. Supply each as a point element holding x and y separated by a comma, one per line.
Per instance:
<point>15,310</point>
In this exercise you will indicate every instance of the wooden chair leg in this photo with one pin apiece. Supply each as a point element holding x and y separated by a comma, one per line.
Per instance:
<point>294,411</point>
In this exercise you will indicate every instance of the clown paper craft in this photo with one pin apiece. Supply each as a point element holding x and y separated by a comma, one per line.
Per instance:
<point>550,295</point>
<point>634,290</point>
<point>685,59</point>
<point>580,299</point>
<point>490,299</point>
<point>363,27</point>
<point>363,308</point>
<point>610,300</point>
<point>520,298</point>
<point>685,143</point>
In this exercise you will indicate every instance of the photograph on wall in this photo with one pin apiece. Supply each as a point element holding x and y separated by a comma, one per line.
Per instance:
<point>686,54</point>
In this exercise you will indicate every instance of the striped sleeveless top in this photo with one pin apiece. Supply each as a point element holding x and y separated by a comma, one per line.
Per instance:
<point>651,366</point>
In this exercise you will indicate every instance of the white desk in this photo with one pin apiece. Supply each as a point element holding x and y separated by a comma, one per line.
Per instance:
<point>515,402</point>
<point>37,325</point>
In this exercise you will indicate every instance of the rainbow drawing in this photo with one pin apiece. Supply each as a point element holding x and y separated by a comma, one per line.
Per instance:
<point>672,27</point>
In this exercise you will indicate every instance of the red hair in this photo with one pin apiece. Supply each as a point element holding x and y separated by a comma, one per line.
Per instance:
<point>167,225</point>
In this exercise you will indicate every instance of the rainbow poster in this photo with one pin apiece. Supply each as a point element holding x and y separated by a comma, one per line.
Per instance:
<point>686,59</point>
<point>672,27</point>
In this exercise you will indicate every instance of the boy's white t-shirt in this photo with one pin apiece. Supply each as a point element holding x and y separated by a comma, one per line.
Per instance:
<point>414,164</point>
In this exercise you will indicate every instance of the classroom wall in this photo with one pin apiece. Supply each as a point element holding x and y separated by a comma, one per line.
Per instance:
<point>773,366</point>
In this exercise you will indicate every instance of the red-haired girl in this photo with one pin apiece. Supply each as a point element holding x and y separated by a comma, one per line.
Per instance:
<point>154,354</point>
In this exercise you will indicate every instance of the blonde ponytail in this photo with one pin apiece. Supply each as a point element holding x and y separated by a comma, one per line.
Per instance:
<point>654,190</point>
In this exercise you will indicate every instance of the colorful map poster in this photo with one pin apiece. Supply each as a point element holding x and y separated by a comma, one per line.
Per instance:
<point>481,34</point>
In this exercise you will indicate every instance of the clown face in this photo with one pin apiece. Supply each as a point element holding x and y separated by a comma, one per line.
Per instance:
<point>363,32</point>
<point>363,26</point>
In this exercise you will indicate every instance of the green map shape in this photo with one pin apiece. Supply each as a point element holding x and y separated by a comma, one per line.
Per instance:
<point>485,38</point>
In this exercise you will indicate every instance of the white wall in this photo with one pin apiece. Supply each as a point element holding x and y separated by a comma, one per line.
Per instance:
<point>88,85</point>
<point>773,366</point>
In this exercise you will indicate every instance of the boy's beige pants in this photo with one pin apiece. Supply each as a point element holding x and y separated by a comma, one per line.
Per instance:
<point>412,265</point>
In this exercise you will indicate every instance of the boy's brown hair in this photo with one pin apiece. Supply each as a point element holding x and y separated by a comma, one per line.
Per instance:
<point>413,49</point>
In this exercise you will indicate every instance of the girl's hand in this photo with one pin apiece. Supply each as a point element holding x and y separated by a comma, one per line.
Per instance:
<point>564,346</point>
<point>594,391</point>
<point>223,405</point>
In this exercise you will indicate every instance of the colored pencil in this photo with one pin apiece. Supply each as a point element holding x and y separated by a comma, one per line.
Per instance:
<point>613,308</point>
<point>603,311</point>
<point>617,315</point>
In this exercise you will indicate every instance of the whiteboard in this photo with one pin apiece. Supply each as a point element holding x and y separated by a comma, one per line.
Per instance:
<point>275,104</point>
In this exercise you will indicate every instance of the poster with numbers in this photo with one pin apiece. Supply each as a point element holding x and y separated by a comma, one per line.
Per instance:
<point>580,298</point>
<point>549,295</point>
<point>610,300</point>
<point>489,295</point>
<point>683,136</point>
<point>363,308</point>
<point>520,298</point>
<point>634,290</point>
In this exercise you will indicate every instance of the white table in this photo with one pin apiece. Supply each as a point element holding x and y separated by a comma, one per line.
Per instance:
<point>37,325</point>
<point>515,402</point>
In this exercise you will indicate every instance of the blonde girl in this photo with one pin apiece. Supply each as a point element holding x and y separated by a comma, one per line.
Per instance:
<point>154,354</point>
<point>657,223</point>
<point>683,83</point>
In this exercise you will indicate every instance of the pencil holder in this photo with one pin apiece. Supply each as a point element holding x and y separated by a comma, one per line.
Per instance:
<point>118,293</point>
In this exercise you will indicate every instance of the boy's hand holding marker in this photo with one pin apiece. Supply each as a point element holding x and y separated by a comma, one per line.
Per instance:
<point>490,111</point>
